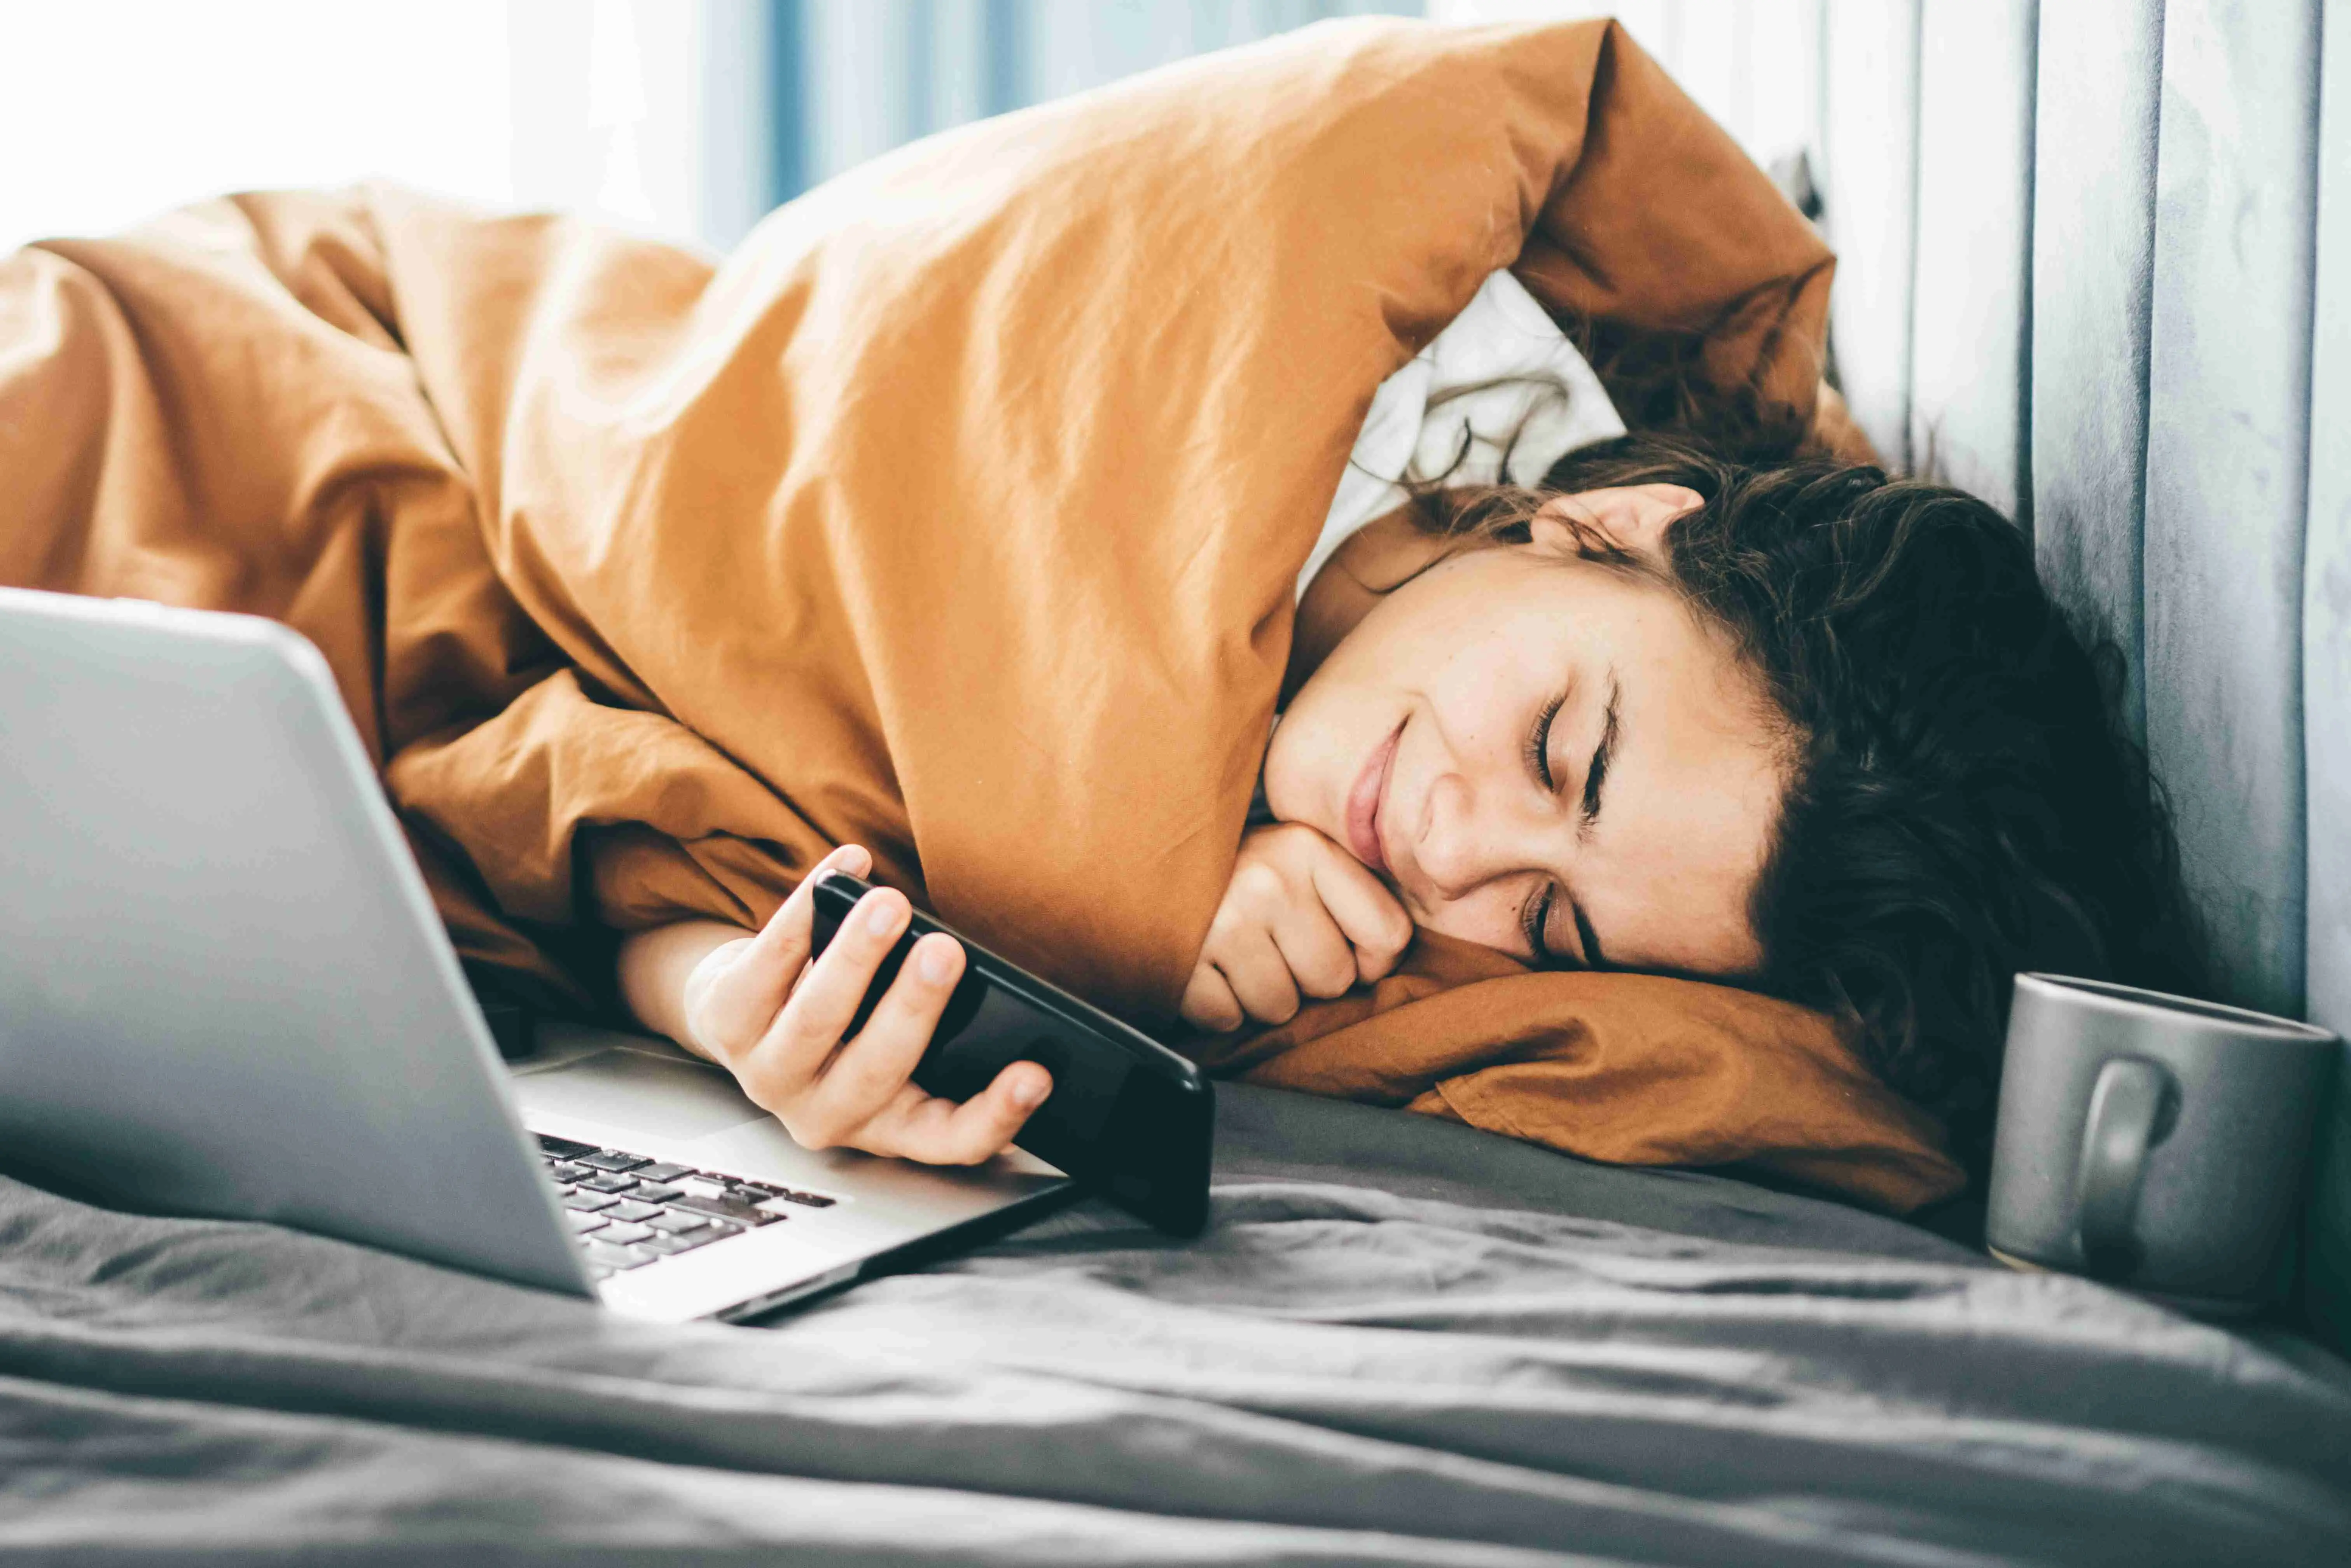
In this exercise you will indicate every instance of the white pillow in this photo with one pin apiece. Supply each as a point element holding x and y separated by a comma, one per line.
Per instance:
<point>1504,337</point>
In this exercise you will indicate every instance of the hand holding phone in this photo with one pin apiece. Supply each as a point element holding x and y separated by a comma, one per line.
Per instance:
<point>777,1015</point>
<point>1126,1116</point>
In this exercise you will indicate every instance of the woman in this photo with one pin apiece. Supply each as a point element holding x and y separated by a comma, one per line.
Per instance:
<point>1795,725</point>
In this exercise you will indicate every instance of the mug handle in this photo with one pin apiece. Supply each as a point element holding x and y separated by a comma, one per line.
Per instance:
<point>2125,1106</point>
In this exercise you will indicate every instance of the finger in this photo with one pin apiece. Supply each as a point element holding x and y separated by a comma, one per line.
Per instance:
<point>1365,910</point>
<point>1317,953</point>
<point>854,1087</point>
<point>809,1028</point>
<point>1254,968</point>
<point>1209,1003</point>
<point>792,926</point>
<point>756,977</point>
<point>939,1132</point>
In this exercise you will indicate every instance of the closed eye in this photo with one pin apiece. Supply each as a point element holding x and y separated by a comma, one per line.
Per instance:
<point>1535,918</point>
<point>1537,751</point>
<point>1596,772</point>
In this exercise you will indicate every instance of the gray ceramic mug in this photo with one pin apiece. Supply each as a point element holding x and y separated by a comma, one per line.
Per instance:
<point>2152,1141</point>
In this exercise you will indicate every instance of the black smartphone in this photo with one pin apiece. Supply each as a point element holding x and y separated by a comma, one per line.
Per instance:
<point>1127,1117</point>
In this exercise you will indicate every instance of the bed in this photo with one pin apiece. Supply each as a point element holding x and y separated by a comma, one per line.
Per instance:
<point>1401,1340</point>
<point>1404,1340</point>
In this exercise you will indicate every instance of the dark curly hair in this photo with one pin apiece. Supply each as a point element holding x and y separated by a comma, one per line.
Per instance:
<point>1963,802</point>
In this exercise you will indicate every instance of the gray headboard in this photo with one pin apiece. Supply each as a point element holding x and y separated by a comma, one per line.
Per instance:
<point>2096,265</point>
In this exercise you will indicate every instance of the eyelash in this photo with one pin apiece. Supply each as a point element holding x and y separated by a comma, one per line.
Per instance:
<point>1538,742</point>
<point>1535,918</point>
<point>1535,915</point>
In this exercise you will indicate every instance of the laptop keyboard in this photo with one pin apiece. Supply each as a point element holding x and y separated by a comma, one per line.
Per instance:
<point>626,1210</point>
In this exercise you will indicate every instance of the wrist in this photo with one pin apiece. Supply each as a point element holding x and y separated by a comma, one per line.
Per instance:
<point>665,970</point>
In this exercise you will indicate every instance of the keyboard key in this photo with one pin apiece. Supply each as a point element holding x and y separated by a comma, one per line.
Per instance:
<point>581,1222</point>
<point>670,1246</point>
<point>588,1202</point>
<point>633,1211</point>
<point>613,1160</point>
<point>620,1233</point>
<point>564,1148</point>
<point>744,1191</point>
<point>658,1171</point>
<point>569,1171</point>
<point>652,1192</point>
<point>723,1209</point>
<point>610,1256</point>
<point>678,1224</point>
<point>605,1181</point>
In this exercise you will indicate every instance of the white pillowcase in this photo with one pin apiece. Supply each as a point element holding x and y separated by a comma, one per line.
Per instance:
<point>1503,336</point>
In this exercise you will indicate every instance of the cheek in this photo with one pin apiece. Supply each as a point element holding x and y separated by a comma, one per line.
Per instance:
<point>1488,917</point>
<point>1310,758</point>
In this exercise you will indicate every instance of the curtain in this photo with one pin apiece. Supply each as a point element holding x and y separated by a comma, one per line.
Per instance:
<point>805,88</point>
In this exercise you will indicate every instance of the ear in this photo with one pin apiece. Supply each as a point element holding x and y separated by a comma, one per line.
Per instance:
<point>1633,518</point>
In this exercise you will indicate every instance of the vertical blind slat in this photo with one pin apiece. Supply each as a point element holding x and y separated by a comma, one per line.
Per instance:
<point>1869,147</point>
<point>2100,67</point>
<point>1969,307</point>
<point>2228,443</point>
<point>2327,672</point>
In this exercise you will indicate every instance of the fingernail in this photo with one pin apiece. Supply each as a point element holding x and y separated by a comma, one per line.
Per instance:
<point>934,964</point>
<point>882,916</point>
<point>1030,1092</point>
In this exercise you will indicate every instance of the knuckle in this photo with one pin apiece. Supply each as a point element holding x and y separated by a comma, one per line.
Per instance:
<point>1275,1009</point>
<point>1291,838</point>
<point>1216,1015</point>
<point>1331,979</point>
<point>1258,884</point>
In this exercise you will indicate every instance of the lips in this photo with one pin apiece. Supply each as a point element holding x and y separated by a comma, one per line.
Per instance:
<point>1364,800</point>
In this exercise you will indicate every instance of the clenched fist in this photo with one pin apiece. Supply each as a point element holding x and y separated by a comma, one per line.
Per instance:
<point>1301,915</point>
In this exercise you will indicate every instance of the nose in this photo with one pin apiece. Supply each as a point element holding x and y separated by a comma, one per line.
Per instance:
<point>1467,839</point>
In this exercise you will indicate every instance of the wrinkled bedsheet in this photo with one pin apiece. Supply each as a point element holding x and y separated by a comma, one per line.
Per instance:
<point>1401,1340</point>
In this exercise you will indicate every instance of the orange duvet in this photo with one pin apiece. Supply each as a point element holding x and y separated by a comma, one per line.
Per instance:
<point>957,513</point>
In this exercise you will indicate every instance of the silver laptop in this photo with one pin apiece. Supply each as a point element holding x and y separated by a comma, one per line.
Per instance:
<point>224,992</point>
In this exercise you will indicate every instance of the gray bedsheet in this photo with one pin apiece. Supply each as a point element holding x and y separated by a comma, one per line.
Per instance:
<point>1400,1342</point>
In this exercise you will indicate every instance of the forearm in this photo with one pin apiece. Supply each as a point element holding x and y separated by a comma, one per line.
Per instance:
<point>656,966</point>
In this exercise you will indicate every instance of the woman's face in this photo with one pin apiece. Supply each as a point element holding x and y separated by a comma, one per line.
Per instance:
<point>1545,754</point>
